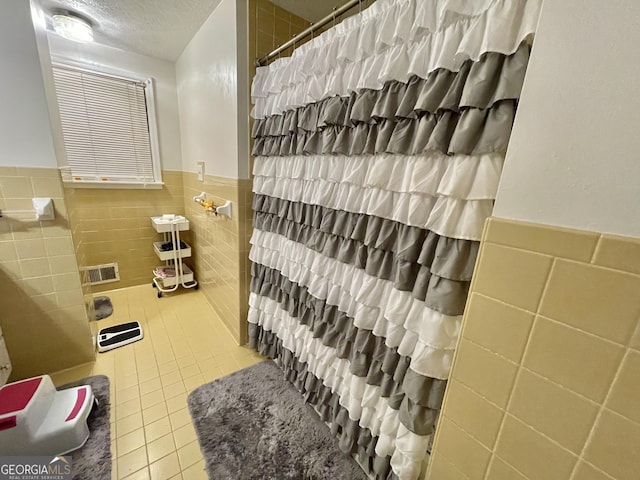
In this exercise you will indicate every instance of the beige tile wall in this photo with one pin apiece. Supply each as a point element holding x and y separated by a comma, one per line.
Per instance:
<point>271,26</point>
<point>81,257</point>
<point>221,247</point>
<point>114,226</point>
<point>546,379</point>
<point>362,6</point>
<point>42,310</point>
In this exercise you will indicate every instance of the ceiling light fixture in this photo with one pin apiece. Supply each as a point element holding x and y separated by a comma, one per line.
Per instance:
<point>73,27</point>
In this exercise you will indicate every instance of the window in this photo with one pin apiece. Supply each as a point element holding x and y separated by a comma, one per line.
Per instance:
<point>108,129</point>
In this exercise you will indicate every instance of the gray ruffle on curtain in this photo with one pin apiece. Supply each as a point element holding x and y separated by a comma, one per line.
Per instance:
<point>436,270</point>
<point>471,132</point>
<point>466,112</point>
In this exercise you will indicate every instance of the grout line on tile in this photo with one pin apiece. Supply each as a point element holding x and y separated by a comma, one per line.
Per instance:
<point>520,367</point>
<point>601,411</point>
<point>496,354</point>
<point>490,402</point>
<point>600,267</point>
<point>460,474</point>
<point>604,402</point>
<point>502,302</point>
<point>596,250</point>
<point>601,472</point>
<point>590,334</point>
<point>461,427</point>
<point>503,460</point>
<point>555,442</point>
<point>559,385</point>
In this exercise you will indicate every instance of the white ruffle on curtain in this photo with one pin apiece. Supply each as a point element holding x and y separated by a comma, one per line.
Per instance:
<point>392,40</point>
<point>356,286</point>
<point>448,195</point>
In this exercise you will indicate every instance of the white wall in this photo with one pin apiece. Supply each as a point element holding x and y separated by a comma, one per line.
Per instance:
<point>207,76</point>
<point>244,86</point>
<point>573,159</point>
<point>25,131</point>
<point>129,64</point>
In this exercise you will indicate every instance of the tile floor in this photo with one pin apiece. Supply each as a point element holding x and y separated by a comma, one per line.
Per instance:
<point>185,345</point>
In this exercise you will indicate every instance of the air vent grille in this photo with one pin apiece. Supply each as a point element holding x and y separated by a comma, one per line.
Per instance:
<point>98,274</point>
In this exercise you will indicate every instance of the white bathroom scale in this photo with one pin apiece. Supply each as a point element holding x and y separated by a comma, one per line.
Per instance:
<point>119,335</point>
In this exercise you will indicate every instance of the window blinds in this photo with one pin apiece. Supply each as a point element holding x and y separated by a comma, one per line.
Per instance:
<point>105,127</point>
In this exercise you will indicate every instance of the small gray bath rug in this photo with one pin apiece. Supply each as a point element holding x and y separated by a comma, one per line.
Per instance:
<point>102,307</point>
<point>93,460</point>
<point>254,424</point>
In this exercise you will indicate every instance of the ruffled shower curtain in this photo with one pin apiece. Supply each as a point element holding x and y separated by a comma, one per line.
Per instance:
<point>379,147</point>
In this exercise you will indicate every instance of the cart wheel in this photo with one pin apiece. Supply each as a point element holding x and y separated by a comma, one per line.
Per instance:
<point>197,286</point>
<point>153,284</point>
<point>159,294</point>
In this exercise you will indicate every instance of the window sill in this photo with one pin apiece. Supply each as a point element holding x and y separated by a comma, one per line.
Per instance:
<point>114,185</point>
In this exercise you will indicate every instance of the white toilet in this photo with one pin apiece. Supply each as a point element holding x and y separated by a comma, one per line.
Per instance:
<point>36,419</point>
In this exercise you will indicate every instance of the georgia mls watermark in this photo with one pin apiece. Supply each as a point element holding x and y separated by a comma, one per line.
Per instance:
<point>35,468</point>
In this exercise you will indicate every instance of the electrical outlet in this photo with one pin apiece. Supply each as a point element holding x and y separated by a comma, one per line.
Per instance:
<point>201,171</point>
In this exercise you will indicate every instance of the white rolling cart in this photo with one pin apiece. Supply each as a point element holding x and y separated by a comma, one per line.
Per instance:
<point>172,275</point>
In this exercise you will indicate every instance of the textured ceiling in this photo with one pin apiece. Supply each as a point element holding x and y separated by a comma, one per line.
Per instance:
<point>312,10</point>
<point>163,28</point>
<point>157,28</point>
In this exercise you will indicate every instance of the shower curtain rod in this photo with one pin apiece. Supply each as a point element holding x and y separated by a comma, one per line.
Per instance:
<point>260,62</point>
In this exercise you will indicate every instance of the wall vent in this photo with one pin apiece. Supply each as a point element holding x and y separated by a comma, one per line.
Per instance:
<point>98,274</point>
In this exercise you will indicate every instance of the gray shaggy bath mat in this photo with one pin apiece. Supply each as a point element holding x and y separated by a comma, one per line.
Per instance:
<point>253,424</point>
<point>93,460</point>
<point>102,307</point>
